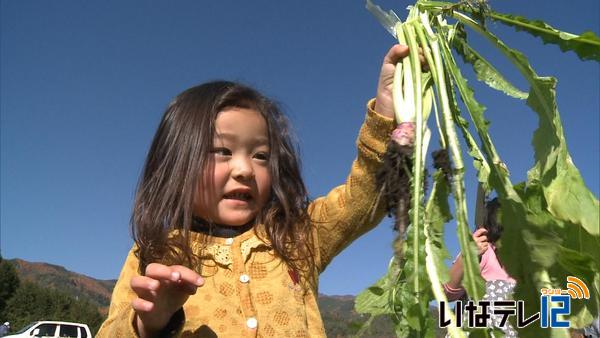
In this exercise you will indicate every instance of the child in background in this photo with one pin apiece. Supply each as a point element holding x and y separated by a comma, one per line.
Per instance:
<point>499,285</point>
<point>226,241</point>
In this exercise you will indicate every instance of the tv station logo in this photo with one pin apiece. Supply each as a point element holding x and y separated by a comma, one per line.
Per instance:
<point>576,289</point>
<point>553,304</point>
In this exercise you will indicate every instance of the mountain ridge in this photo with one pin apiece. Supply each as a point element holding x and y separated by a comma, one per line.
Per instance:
<point>97,291</point>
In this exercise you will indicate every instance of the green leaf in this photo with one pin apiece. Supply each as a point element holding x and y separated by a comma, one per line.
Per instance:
<point>437,213</point>
<point>484,70</point>
<point>479,161</point>
<point>415,289</point>
<point>554,167</point>
<point>472,279</point>
<point>535,236</point>
<point>586,45</point>
<point>551,222</point>
<point>535,249</point>
<point>566,194</point>
<point>375,300</point>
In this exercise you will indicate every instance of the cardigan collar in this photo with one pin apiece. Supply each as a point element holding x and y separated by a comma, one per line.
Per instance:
<point>220,249</point>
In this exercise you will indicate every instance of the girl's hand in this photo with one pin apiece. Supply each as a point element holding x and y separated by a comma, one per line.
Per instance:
<point>480,238</point>
<point>384,104</point>
<point>161,292</point>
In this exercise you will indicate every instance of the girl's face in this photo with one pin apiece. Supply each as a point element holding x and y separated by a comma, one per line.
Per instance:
<point>237,183</point>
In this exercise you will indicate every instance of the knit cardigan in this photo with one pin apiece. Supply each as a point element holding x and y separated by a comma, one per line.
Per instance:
<point>248,290</point>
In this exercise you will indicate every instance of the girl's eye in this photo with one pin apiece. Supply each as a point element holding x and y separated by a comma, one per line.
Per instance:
<point>221,151</point>
<point>261,156</point>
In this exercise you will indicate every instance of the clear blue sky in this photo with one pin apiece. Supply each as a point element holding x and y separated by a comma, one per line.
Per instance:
<point>84,84</point>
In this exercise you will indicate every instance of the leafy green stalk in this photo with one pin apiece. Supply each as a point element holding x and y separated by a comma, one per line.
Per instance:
<point>484,70</point>
<point>579,206</point>
<point>499,174</point>
<point>416,294</point>
<point>406,85</point>
<point>555,201</point>
<point>424,43</point>
<point>551,222</point>
<point>472,281</point>
<point>585,45</point>
<point>441,132</point>
<point>401,112</point>
<point>437,213</point>
<point>417,178</point>
<point>435,270</point>
<point>480,162</point>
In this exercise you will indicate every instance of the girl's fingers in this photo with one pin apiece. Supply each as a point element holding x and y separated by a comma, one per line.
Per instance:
<point>190,289</point>
<point>142,305</point>
<point>187,279</point>
<point>145,287</point>
<point>479,232</point>
<point>188,275</point>
<point>161,272</point>
<point>395,54</point>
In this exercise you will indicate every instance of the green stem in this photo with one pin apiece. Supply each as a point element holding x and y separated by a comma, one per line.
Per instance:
<point>429,57</point>
<point>407,112</point>
<point>472,284</point>
<point>397,87</point>
<point>434,276</point>
<point>497,166</point>
<point>417,185</point>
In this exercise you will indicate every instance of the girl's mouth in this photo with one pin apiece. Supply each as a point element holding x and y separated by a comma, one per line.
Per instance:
<point>239,196</point>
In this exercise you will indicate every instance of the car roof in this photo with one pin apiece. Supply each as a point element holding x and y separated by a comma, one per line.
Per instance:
<point>58,322</point>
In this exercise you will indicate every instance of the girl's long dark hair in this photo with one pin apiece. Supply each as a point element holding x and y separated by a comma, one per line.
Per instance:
<point>491,222</point>
<point>179,154</point>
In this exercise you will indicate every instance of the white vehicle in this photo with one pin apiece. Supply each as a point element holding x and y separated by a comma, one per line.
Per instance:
<point>53,329</point>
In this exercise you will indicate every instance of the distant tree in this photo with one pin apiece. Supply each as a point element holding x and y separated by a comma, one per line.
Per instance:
<point>32,302</point>
<point>9,282</point>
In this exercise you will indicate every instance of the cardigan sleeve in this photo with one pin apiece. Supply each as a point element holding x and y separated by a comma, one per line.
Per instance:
<point>347,211</point>
<point>119,323</point>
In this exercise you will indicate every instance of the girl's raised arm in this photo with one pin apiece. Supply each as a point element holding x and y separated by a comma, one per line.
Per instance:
<point>347,211</point>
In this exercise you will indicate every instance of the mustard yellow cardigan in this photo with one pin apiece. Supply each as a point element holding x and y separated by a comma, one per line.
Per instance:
<point>248,291</point>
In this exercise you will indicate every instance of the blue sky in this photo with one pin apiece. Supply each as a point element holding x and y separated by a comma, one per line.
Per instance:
<point>84,84</point>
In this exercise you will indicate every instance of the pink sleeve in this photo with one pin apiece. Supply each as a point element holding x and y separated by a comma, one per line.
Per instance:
<point>490,267</point>
<point>452,293</point>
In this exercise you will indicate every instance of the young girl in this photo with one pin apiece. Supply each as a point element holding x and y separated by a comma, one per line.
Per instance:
<point>498,284</point>
<point>226,242</point>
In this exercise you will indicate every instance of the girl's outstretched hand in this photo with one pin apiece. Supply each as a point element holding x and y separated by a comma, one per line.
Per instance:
<point>384,104</point>
<point>480,238</point>
<point>161,292</point>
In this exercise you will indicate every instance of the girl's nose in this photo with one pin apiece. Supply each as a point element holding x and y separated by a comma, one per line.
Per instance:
<point>242,169</point>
